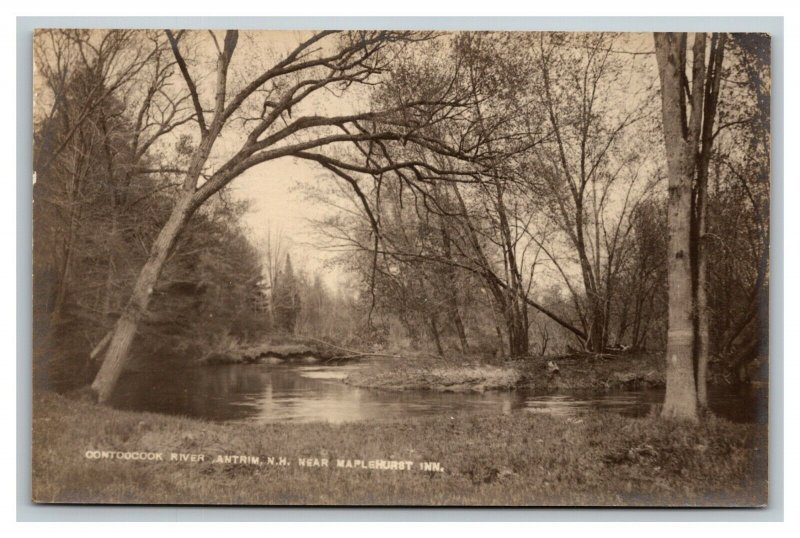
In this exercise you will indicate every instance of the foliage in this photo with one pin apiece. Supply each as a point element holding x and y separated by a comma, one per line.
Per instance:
<point>101,194</point>
<point>498,193</point>
<point>286,299</point>
<point>534,213</point>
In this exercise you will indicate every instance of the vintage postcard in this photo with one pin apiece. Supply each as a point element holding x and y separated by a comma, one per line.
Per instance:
<point>415,268</point>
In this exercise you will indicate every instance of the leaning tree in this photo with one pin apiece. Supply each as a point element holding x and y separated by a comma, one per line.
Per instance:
<point>254,115</point>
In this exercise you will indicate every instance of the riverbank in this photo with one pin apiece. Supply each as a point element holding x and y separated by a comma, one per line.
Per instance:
<point>485,459</point>
<point>600,372</point>
<point>275,351</point>
<point>428,374</point>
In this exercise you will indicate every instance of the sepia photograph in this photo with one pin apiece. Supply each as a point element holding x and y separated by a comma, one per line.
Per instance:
<point>401,267</point>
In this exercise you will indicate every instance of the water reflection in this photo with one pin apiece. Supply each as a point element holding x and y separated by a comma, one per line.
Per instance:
<point>739,404</point>
<point>305,393</point>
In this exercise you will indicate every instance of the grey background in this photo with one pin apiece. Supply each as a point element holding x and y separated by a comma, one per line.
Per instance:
<point>28,511</point>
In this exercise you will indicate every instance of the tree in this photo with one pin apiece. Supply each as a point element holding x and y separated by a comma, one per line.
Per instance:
<point>274,248</point>
<point>643,277</point>
<point>738,208</point>
<point>286,298</point>
<point>592,172</point>
<point>467,148</point>
<point>529,175</point>
<point>89,85</point>
<point>688,142</point>
<point>262,110</point>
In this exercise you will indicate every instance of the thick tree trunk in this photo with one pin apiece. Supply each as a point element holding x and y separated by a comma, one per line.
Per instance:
<point>125,329</point>
<point>680,401</point>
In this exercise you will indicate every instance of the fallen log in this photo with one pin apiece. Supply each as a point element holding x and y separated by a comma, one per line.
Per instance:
<point>353,354</point>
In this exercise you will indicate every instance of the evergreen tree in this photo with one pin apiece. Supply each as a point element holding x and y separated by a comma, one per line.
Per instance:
<point>286,299</point>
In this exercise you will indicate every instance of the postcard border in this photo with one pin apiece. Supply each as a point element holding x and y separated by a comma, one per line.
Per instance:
<point>28,511</point>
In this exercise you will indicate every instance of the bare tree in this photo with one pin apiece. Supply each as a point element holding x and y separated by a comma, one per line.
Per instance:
<point>688,143</point>
<point>275,248</point>
<point>324,61</point>
<point>588,169</point>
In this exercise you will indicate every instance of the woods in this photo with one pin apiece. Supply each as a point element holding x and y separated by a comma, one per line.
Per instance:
<point>102,194</point>
<point>500,196</point>
<point>534,267</point>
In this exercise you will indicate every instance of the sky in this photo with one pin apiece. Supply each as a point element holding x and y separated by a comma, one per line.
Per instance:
<point>275,189</point>
<point>275,192</point>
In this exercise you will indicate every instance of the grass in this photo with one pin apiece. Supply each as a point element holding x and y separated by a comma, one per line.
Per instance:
<point>521,459</point>
<point>574,372</point>
<point>424,374</point>
<point>584,371</point>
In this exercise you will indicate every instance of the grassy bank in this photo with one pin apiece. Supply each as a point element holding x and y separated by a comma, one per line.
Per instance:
<point>551,373</point>
<point>426,374</point>
<point>524,459</point>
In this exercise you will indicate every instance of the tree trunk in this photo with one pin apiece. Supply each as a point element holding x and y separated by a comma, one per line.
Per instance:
<point>501,345</point>
<point>435,334</point>
<point>711,96</point>
<point>680,401</point>
<point>64,273</point>
<point>452,291</point>
<point>126,326</point>
<point>597,330</point>
<point>462,335</point>
<point>62,283</point>
<point>595,337</point>
<point>701,305</point>
<point>108,296</point>
<point>518,344</point>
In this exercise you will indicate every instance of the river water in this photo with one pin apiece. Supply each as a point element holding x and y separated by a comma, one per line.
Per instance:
<point>312,392</point>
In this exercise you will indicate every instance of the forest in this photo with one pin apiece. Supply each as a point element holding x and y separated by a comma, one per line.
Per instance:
<point>492,197</point>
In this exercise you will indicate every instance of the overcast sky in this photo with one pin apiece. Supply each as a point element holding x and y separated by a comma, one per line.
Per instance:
<point>275,190</point>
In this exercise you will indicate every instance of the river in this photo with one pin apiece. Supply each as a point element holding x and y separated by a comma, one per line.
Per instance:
<point>293,392</point>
